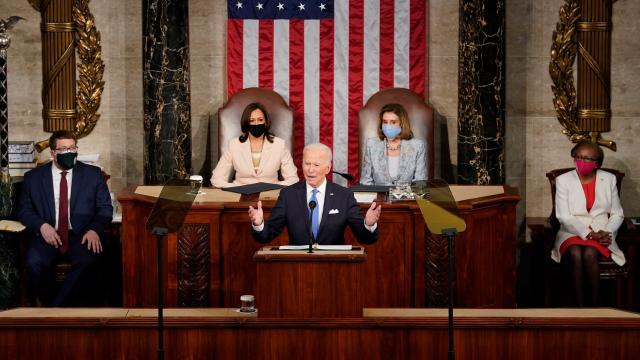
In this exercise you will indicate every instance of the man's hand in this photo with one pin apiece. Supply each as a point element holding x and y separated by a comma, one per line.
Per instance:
<point>373,214</point>
<point>92,240</point>
<point>256,215</point>
<point>50,235</point>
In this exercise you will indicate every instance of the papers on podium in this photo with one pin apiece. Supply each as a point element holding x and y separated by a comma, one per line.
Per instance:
<point>317,247</point>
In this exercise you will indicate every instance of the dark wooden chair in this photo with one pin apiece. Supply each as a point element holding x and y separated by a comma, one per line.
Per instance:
<point>420,117</point>
<point>623,277</point>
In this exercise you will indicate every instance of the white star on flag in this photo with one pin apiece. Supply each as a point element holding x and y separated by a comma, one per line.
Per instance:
<point>322,7</point>
<point>239,5</point>
<point>259,6</point>
<point>280,6</point>
<point>301,6</point>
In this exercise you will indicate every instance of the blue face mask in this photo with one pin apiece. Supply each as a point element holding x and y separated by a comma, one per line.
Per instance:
<point>391,131</point>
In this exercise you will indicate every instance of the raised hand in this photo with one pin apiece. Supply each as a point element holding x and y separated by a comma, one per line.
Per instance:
<point>373,214</point>
<point>256,215</point>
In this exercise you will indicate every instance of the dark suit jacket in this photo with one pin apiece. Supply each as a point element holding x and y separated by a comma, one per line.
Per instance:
<point>291,210</point>
<point>90,203</point>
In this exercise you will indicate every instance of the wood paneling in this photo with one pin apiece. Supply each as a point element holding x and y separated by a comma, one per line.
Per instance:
<point>508,336</point>
<point>403,268</point>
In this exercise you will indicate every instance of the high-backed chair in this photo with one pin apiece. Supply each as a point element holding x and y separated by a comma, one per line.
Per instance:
<point>623,276</point>
<point>229,115</point>
<point>420,117</point>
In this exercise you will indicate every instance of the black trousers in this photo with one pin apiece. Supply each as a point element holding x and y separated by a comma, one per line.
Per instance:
<point>76,289</point>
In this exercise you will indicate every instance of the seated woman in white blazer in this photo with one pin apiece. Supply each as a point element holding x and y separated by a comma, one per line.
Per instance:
<point>256,156</point>
<point>589,211</point>
<point>394,156</point>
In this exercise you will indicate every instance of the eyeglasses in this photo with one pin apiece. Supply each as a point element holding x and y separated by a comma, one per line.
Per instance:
<point>73,149</point>
<point>584,158</point>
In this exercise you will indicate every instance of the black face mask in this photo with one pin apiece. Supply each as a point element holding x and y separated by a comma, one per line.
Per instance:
<point>67,160</point>
<point>257,130</point>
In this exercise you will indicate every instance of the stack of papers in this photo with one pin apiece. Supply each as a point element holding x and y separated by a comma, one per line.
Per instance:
<point>317,247</point>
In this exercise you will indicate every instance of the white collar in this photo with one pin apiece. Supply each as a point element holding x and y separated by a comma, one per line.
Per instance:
<point>321,188</point>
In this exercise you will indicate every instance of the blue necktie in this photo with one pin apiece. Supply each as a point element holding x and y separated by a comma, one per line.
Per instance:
<point>314,215</point>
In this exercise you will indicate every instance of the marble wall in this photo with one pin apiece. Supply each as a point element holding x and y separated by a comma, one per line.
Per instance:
<point>534,144</point>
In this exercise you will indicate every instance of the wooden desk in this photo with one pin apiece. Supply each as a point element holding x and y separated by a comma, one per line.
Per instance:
<point>523,334</point>
<point>209,262</point>
<point>295,284</point>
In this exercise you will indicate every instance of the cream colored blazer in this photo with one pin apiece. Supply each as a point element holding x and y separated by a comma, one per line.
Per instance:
<point>571,211</point>
<point>237,156</point>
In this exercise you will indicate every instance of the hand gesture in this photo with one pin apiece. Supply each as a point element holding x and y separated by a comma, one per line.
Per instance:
<point>256,215</point>
<point>50,235</point>
<point>92,240</point>
<point>373,214</point>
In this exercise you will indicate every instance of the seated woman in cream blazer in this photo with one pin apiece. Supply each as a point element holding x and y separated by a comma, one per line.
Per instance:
<point>259,158</point>
<point>394,156</point>
<point>589,211</point>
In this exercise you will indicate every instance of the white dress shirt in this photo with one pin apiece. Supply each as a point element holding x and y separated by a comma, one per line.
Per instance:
<point>319,197</point>
<point>57,176</point>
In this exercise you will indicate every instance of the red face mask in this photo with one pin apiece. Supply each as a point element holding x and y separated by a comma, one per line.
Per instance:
<point>585,168</point>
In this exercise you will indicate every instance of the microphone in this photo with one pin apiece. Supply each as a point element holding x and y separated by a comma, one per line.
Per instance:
<point>312,205</point>
<point>347,177</point>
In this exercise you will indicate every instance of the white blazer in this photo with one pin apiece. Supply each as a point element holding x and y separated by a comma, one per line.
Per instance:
<point>237,156</point>
<point>571,211</point>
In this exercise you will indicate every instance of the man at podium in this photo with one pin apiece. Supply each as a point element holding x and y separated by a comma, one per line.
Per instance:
<point>330,207</point>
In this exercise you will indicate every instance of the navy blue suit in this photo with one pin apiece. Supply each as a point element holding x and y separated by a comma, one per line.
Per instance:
<point>291,210</point>
<point>89,209</point>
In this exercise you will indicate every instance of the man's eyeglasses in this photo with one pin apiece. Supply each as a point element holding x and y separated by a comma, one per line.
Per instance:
<point>584,158</point>
<point>73,149</point>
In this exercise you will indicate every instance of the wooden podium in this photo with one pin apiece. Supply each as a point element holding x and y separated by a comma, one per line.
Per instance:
<point>322,284</point>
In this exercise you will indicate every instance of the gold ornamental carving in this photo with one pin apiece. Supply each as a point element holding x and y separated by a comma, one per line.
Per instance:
<point>584,121</point>
<point>90,70</point>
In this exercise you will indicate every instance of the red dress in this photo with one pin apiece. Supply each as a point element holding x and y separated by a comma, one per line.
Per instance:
<point>590,194</point>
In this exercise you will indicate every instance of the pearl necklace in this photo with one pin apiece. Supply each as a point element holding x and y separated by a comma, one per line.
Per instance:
<point>393,148</point>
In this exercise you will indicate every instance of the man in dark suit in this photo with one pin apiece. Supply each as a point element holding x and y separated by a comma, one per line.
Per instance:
<point>335,208</point>
<point>65,206</point>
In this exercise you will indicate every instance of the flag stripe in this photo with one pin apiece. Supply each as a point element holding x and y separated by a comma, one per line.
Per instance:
<point>356,48</point>
<point>296,87</point>
<point>281,58</point>
<point>326,82</point>
<point>250,54</point>
<point>418,48</point>
<point>311,80</point>
<point>234,56</point>
<point>386,43</point>
<point>401,44</point>
<point>371,48</point>
<point>265,54</point>
<point>340,85</point>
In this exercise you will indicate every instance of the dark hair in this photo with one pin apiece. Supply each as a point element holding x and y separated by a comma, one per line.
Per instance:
<point>405,126</point>
<point>61,134</point>
<point>246,117</point>
<point>593,146</point>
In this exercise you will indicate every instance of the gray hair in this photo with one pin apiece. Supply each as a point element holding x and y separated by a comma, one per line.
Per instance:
<point>319,147</point>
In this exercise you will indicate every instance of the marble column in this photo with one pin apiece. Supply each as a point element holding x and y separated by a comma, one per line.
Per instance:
<point>167,109</point>
<point>481,92</point>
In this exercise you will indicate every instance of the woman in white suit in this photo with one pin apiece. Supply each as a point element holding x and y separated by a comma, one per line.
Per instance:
<point>256,156</point>
<point>394,156</point>
<point>589,211</point>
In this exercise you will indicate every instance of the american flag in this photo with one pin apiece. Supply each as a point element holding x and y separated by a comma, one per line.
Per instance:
<point>326,58</point>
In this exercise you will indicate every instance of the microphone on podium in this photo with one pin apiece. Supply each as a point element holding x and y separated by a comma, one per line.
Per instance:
<point>347,176</point>
<point>312,205</point>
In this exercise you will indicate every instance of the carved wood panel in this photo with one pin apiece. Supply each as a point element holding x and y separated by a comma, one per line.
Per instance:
<point>193,266</point>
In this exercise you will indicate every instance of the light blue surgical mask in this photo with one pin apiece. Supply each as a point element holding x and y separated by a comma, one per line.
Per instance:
<point>391,131</point>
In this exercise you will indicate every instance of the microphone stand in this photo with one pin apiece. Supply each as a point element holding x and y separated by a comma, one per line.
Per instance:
<point>312,205</point>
